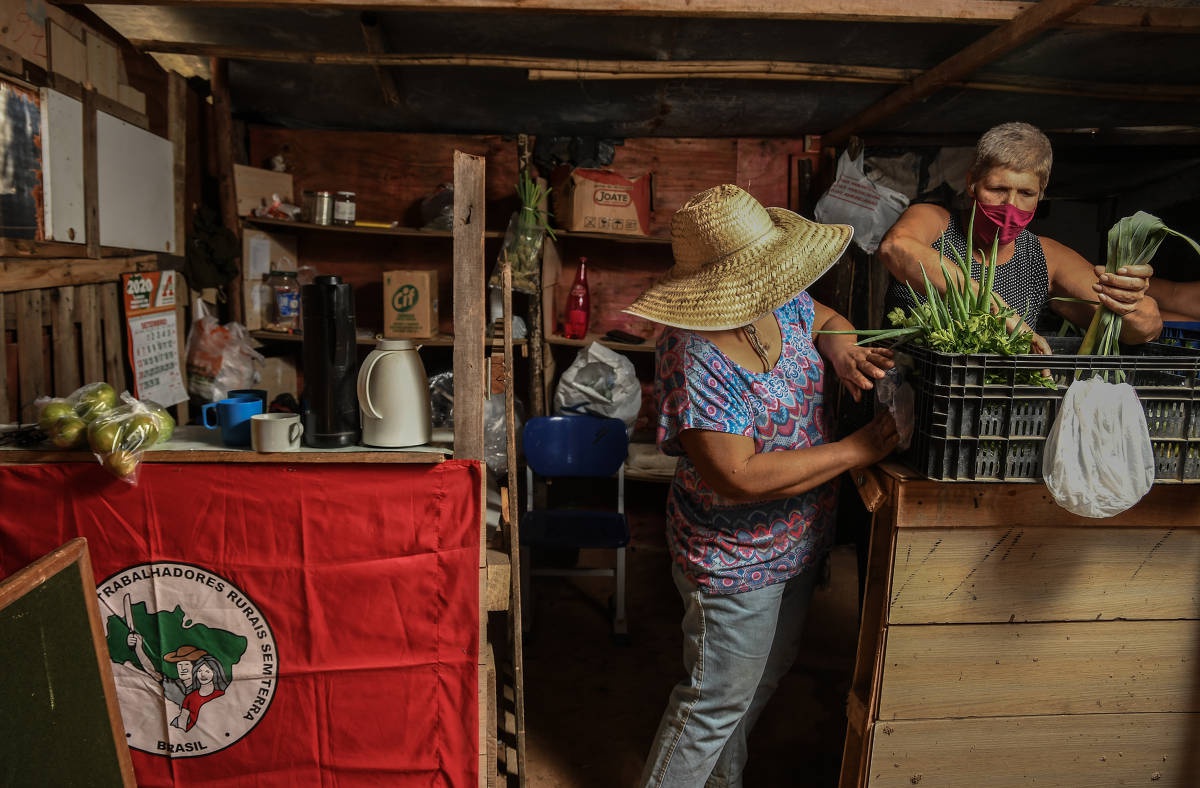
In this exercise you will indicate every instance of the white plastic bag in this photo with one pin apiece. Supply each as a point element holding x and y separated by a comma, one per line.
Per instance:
<point>602,382</point>
<point>854,199</point>
<point>1098,460</point>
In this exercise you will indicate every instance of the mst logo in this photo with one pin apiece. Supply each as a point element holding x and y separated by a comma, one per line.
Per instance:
<point>194,659</point>
<point>405,298</point>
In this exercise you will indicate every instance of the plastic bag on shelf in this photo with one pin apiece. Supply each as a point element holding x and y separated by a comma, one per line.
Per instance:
<point>1098,460</point>
<point>854,199</point>
<point>220,358</point>
<point>601,382</point>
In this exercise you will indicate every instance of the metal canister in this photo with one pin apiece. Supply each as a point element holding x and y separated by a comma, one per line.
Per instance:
<point>318,207</point>
<point>344,208</point>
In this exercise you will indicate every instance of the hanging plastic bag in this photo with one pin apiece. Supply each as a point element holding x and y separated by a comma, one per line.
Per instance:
<point>601,382</point>
<point>894,394</point>
<point>1098,460</point>
<point>854,199</point>
<point>220,358</point>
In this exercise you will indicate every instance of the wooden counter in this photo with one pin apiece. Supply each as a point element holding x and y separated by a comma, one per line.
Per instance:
<point>1008,642</point>
<point>194,443</point>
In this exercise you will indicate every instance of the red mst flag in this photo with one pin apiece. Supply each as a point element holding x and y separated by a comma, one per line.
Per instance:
<point>277,624</point>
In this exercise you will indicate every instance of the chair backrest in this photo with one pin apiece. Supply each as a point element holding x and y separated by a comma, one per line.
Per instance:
<point>574,445</point>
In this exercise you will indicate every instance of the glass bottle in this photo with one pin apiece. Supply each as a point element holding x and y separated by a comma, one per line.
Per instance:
<point>285,301</point>
<point>579,307</point>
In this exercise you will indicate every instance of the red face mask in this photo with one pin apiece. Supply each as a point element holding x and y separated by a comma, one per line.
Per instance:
<point>1005,221</point>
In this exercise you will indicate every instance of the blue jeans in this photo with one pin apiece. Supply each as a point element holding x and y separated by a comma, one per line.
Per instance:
<point>736,648</point>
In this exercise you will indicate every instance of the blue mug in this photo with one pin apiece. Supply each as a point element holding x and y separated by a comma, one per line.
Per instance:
<point>232,415</point>
<point>254,393</point>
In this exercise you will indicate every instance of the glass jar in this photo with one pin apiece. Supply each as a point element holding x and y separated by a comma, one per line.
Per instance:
<point>343,208</point>
<point>284,307</point>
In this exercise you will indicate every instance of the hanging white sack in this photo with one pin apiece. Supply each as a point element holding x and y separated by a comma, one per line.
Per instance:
<point>854,199</point>
<point>1098,460</point>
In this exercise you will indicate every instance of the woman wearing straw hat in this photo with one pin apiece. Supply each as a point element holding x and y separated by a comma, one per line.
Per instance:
<point>750,511</point>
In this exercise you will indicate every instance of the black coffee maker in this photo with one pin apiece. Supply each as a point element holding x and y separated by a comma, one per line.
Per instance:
<point>330,364</point>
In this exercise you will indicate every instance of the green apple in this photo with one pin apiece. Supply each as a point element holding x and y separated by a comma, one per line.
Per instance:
<point>68,432</point>
<point>52,411</point>
<point>121,464</point>
<point>140,431</point>
<point>105,435</point>
<point>94,400</point>
<point>166,422</point>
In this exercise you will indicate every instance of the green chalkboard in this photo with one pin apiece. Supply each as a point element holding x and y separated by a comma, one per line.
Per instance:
<point>60,723</point>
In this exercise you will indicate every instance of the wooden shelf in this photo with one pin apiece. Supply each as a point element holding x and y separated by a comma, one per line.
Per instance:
<point>407,232</point>
<point>440,340</point>
<point>624,347</point>
<point>635,239</point>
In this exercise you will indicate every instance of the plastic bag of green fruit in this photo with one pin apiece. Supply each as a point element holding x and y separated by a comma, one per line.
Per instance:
<point>120,436</point>
<point>65,419</point>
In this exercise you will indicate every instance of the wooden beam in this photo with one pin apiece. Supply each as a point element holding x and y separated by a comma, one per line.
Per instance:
<point>16,275</point>
<point>1156,18</point>
<point>547,68</point>
<point>1022,28</point>
<point>373,38</point>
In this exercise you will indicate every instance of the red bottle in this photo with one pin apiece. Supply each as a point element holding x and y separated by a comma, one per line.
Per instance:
<point>579,307</point>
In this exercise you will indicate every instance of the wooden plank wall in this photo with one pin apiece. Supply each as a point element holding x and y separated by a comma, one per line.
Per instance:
<point>61,338</point>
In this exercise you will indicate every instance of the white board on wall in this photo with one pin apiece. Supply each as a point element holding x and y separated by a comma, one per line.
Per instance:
<point>62,167</point>
<point>135,179</point>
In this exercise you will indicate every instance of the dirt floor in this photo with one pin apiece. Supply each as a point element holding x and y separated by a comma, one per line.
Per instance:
<point>592,706</point>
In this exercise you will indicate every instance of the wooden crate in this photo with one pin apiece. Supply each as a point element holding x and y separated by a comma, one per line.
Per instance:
<point>1007,642</point>
<point>56,338</point>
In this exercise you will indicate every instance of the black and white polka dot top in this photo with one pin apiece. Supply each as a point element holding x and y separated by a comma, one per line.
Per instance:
<point>1023,282</point>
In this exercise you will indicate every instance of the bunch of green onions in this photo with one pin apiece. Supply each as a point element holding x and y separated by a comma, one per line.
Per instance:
<point>1133,240</point>
<point>964,319</point>
<point>532,193</point>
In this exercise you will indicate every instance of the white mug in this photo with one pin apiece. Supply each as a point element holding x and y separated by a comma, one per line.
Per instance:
<point>272,432</point>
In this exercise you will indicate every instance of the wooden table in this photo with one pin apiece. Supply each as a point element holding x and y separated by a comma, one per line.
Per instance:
<point>1008,642</point>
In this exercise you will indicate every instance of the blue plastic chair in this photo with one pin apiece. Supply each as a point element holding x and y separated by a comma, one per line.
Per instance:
<point>575,447</point>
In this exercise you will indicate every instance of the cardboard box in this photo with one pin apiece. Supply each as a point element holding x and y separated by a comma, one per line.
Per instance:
<point>602,201</point>
<point>256,188</point>
<point>410,304</point>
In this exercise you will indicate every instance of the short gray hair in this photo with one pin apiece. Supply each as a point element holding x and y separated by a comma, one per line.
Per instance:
<point>1016,146</point>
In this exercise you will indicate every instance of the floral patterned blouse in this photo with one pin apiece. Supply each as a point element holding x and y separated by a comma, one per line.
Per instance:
<point>727,547</point>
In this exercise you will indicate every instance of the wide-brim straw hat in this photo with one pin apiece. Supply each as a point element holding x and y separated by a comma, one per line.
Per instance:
<point>736,261</point>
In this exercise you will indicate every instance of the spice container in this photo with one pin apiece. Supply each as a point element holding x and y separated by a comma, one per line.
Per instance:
<point>283,310</point>
<point>343,208</point>
<point>318,207</point>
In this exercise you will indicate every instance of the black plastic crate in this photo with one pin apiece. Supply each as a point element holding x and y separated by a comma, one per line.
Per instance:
<point>980,418</point>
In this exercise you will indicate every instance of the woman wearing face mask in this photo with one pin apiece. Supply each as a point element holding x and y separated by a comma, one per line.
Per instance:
<point>1004,184</point>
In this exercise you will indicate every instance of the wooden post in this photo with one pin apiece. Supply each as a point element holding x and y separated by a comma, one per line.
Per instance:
<point>470,325</point>
<point>223,131</point>
<point>91,177</point>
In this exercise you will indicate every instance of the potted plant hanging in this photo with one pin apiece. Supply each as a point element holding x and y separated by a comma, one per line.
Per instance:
<point>527,229</point>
